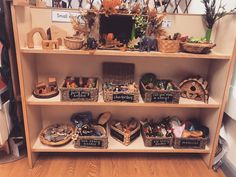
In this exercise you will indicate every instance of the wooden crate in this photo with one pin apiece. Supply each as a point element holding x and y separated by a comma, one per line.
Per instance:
<point>95,142</point>
<point>156,141</point>
<point>160,96</point>
<point>80,94</point>
<point>122,137</point>
<point>118,74</point>
<point>190,143</point>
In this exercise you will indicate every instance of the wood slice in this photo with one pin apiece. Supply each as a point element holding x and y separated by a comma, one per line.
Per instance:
<point>46,95</point>
<point>66,140</point>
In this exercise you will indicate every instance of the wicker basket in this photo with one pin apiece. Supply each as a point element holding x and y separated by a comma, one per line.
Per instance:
<point>168,46</point>
<point>73,43</point>
<point>197,48</point>
<point>59,143</point>
<point>79,94</point>
<point>95,142</point>
<point>119,73</point>
<point>122,137</point>
<point>190,143</point>
<point>160,96</point>
<point>156,141</point>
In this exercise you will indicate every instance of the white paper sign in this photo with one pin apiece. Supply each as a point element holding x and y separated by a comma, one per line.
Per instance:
<point>63,16</point>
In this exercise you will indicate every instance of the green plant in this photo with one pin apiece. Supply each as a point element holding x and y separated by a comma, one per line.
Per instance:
<point>140,25</point>
<point>213,14</point>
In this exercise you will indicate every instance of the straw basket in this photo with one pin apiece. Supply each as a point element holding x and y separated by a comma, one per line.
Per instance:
<point>73,43</point>
<point>168,46</point>
<point>197,48</point>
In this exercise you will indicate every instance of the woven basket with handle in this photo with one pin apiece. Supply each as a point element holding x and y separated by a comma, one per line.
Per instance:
<point>168,46</point>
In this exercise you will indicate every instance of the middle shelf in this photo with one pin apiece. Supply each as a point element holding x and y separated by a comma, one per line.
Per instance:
<point>183,103</point>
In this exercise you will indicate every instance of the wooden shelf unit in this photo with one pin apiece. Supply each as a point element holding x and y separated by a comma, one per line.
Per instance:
<point>37,64</point>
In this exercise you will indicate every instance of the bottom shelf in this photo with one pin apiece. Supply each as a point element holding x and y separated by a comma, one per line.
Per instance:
<point>115,146</point>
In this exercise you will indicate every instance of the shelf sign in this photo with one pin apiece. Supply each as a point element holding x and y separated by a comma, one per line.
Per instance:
<point>162,97</point>
<point>161,142</point>
<point>134,136</point>
<point>123,97</point>
<point>74,94</point>
<point>189,143</point>
<point>117,135</point>
<point>91,143</point>
<point>63,16</point>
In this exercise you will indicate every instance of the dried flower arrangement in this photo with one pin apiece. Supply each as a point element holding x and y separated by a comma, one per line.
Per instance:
<point>154,27</point>
<point>213,14</point>
<point>109,6</point>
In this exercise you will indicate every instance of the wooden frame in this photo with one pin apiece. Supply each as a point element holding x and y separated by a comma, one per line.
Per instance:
<point>37,64</point>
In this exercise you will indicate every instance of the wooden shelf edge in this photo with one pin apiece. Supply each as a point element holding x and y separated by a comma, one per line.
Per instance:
<point>116,147</point>
<point>62,50</point>
<point>184,103</point>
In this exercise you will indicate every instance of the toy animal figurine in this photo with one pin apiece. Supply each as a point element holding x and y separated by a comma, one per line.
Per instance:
<point>148,44</point>
<point>91,43</point>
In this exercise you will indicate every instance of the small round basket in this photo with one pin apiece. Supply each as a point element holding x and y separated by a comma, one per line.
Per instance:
<point>168,46</point>
<point>198,48</point>
<point>73,43</point>
<point>55,131</point>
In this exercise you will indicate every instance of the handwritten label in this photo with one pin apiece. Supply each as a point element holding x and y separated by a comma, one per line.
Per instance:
<point>161,142</point>
<point>190,143</point>
<point>123,97</point>
<point>162,97</point>
<point>63,16</point>
<point>134,136</point>
<point>117,135</point>
<point>91,143</point>
<point>74,94</point>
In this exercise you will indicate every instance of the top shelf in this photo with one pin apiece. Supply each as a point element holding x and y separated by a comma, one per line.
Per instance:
<point>180,55</point>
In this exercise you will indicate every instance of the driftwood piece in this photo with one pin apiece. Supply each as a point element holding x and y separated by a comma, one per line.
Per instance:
<point>30,35</point>
<point>50,44</point>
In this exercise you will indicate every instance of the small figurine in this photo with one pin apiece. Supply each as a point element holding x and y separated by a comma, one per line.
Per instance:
<point>148,44</point>
<point>91,43</point>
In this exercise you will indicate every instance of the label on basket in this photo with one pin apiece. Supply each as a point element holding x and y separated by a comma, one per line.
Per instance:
<point>117,135</point>
<point>134,136</point>
<point>91,143</point>
<point>191,142</point>
<point>74,94</point>
<point>162,97</point>
<point>123,97</point>
<point>161,142</point>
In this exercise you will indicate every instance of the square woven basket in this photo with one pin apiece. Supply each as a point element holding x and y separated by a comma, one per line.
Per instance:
<point>119,73</point>
<point>156,141</point>
<point>95,142</point>
<point>160,96</point>
<point>80,94</point>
